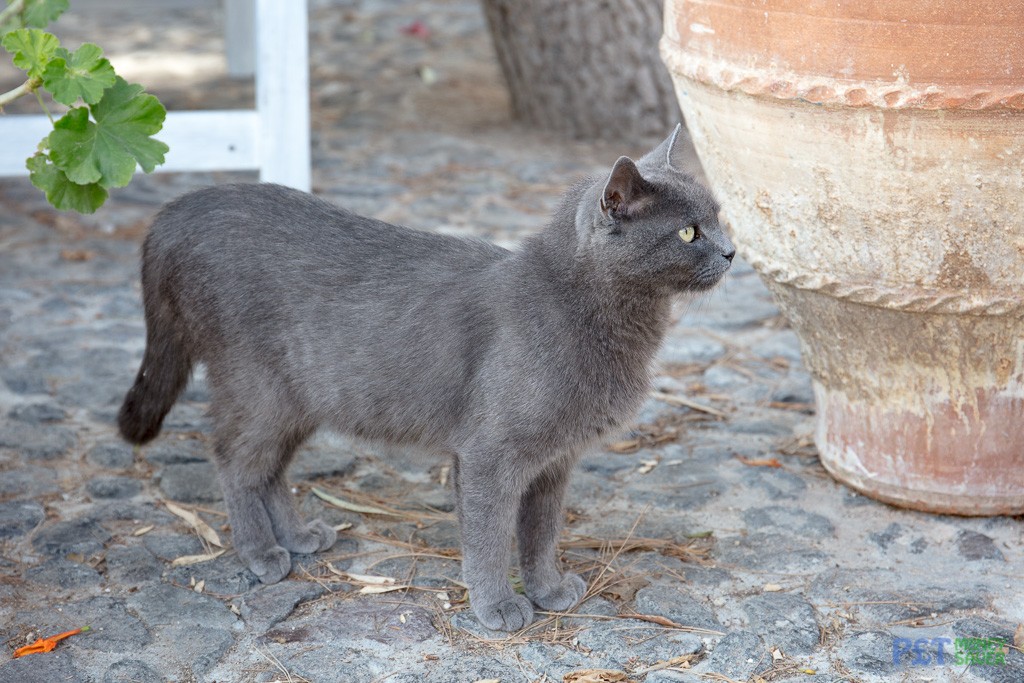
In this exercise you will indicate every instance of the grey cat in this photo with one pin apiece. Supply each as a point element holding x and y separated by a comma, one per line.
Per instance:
<point>511,363</point>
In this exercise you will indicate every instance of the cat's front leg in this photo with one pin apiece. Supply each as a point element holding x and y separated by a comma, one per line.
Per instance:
<point>540,525</point>
<point>488,501</point>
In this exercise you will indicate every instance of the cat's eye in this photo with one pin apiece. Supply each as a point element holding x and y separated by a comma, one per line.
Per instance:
<point>688,234</point>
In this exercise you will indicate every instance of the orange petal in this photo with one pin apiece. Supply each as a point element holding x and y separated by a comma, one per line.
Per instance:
<point>47,644</point>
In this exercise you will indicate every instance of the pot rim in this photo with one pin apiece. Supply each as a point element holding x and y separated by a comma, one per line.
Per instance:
<point>783,84</point>
<point>925,500</point>
<point>916,299</point>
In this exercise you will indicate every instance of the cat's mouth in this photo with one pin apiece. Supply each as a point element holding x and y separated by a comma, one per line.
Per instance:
<point>702,281</point>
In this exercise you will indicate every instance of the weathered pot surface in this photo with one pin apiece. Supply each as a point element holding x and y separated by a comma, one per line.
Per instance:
<point>869,160</point>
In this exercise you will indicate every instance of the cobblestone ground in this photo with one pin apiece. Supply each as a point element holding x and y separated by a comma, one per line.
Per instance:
<point>771,572</point>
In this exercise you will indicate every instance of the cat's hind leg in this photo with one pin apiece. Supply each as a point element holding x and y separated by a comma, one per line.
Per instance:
<point>291,530</point>
<point>252,533</point>
<point>255,438</point>
<point>540,525</point>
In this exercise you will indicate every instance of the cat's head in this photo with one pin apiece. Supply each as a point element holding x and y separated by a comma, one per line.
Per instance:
<point>649,224</point>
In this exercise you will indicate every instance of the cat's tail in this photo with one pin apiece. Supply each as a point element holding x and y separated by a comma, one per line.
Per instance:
<point>166,366</point>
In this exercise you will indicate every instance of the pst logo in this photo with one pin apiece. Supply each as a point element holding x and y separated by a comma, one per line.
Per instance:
<point>923,651</point>
<point>959,652</point>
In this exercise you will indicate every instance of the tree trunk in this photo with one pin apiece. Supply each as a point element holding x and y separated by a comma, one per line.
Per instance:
<point>589,68</point>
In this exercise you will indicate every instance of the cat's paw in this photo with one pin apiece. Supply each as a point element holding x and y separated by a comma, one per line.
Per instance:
<point>314,537</point>
<point>561,596</point>
<point>272,565</point>
<point>509,614</point>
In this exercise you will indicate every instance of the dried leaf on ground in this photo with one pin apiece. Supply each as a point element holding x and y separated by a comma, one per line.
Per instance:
<point>427,74</point>
<point>372,584</point>
<point>646,466</point>
<point>186,560</point>
<point>624,589</point>
<point>363,503</point>
<point>372,590</point>
<point>626,446</point>
<point>798,445</point>
<point>362,578</point>
<point>353,507</point>
<point>596,676</point>
<point>772,588</point>
<point>759,462</point>
<point>679,401</point>
<point>76,254</point>
<point>649,437</point>
<point>1018,637</point>
<point>654,619</point>
<point>680,662</point>
<point>201,527</point>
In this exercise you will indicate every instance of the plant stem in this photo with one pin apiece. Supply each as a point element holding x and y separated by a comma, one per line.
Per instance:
<point>23,89</point>
<point>11,9</point>
<point>39,97</point>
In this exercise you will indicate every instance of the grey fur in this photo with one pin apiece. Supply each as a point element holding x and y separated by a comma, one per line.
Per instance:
<point>510,363</point>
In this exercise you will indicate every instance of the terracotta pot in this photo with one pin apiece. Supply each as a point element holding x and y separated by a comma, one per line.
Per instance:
<point>869,161</point>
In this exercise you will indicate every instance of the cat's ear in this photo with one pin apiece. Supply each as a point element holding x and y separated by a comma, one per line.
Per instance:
<point>661,156</point>
<point>624,190</point>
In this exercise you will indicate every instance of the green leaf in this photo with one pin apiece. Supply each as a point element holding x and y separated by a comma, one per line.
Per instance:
<point>61,192</point>
<point>72,146</point>
<point>127,117</point>
<point>107,151</point>
<point>83,73</point>
<point>42,12</point>
<point>32,49</point>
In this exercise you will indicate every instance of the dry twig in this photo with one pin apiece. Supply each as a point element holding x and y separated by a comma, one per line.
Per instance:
<point>679,401</point>
<point>693,550</point>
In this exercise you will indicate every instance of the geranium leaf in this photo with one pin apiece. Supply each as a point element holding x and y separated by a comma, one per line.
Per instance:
<point>127,116</point>
<point>61,192</point>
<point>107,151</point>
<point>84,74</point>
<point>72,146</point>
<point>32,49</point>
<point>41,12</point>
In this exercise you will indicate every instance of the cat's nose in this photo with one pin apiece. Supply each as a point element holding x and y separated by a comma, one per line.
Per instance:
<point>728,257</point>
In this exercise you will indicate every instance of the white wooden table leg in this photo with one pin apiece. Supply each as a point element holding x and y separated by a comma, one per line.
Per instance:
<point>282,92</point>
<point>239,36</point>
